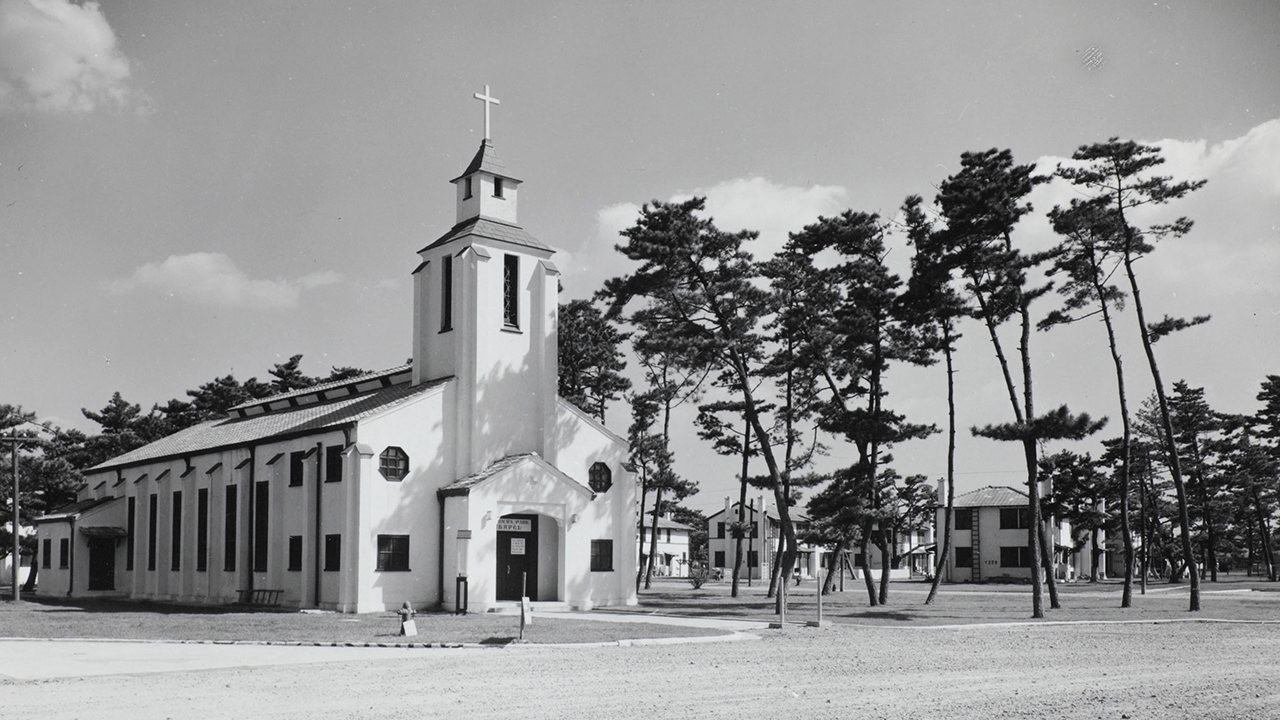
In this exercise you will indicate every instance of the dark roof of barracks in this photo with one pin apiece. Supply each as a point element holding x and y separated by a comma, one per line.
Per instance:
<point>991,496</point>
<point>492,230</point>
<point>242,431</point>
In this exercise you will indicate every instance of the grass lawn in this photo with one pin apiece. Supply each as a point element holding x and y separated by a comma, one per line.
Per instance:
<point>128,620</point>
<point>1232,598</point>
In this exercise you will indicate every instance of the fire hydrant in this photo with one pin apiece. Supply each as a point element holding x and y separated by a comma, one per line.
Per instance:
<point>407,625</point>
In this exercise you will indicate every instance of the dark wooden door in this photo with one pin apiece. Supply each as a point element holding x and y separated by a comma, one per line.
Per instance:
<point>517,557</point>
<point>102,564</point>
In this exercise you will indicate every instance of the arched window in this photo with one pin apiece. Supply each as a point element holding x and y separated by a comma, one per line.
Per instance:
<point>600,477</point>
<point>394,463</point>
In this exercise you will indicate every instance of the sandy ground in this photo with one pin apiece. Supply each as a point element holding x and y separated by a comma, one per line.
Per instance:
<point>1058,671</point>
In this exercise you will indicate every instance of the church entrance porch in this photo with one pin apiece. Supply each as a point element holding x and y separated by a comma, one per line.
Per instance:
<point>517,565</point>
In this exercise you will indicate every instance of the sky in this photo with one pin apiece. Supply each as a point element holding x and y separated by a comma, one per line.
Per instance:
<point>194,189</point>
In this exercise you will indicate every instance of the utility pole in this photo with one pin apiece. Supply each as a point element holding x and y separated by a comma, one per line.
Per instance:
<point>17,555</point>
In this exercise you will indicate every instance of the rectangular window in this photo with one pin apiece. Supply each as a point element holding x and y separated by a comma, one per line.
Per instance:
<point>64,553</point>
<point>964,557</point>
<point>46,561</point>
<point>175,545</point>
<point>466,189</point>
<point>130,531</point>
<point>753,558</point>
<point>296,468</point>
<point>446,292</point>
<point>393,552</point>
<point>1015,518</point>
<point>202,530</point>
<point>153,512</point>
<point>295,553</point>
<point>719,559</point>
<point>229,529</point>
<point>261,498</point>
<point>601,556</point>
<point>1015,557</point>
<point>332,553</point>
<point>333,463</point>
<point>497,187</point>
<point>510,281</point>
<point>720,530</point>
<point>964,518</point>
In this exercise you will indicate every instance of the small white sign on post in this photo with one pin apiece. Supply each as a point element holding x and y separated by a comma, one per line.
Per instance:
<point>408,628</point>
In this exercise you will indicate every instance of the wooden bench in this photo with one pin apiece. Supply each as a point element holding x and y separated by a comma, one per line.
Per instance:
<point>259,596</point>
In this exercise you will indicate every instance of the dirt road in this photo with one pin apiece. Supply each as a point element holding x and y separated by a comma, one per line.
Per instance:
<point>1058,671</point>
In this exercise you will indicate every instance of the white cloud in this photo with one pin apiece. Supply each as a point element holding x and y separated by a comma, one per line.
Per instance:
<point>58,56</point>
<point>213,279</point>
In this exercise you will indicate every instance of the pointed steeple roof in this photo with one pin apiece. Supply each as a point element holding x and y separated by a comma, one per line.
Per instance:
<point>486,160</point>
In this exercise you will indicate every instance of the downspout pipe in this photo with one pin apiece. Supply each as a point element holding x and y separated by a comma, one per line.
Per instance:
<point>71,550</point>
<point>249,522</point>
<point>319,537</point>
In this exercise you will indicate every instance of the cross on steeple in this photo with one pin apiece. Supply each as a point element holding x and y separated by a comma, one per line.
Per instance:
<point>487,100</point>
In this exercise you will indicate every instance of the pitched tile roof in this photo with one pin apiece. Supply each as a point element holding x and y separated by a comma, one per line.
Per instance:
<point>664,522</point>
<point>73,509</point>
<point>236,431</point>
<point>463,486</point>
<point>493,230</point>
<point>992,496</point>
<point>487,160</point>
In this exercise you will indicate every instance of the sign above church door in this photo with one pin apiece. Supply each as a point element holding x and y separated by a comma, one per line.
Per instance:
<point>515,525</point>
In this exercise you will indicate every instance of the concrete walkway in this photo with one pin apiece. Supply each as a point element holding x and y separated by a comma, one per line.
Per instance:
<point>51,659</point>
<point>25,660</point>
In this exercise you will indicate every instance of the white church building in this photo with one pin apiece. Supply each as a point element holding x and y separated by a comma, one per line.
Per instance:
<point>361,494</point>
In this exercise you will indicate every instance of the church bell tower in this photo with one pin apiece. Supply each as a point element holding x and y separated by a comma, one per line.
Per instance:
<point>485,315</point>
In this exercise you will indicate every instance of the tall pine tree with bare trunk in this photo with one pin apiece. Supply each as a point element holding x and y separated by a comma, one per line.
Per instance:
<point>696,292</point>
<point>1118,175</point>
<point>982,204</point>
<point>1087,258</point>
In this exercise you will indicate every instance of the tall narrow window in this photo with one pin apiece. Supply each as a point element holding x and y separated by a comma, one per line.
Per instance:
<point>261,496</point>
<point>64,553</point>
<point>175,546</point>
<point>295,553</point>
<point>510,279</point>
<point>130,532</point>
<point>446,292</point>
<point>202,529</point>
<point>153,506</point>
<point>229,529</point>
<point>497,187</point>
<point>46,552</point>
<point>466,189</point>
<point>296,468</point>
<point>332,553</point>
<point>333,463</point>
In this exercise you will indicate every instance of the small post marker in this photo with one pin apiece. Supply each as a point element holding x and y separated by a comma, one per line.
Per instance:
<point>819,623</point>
<point>526,616</point>
<point>782,605</point>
